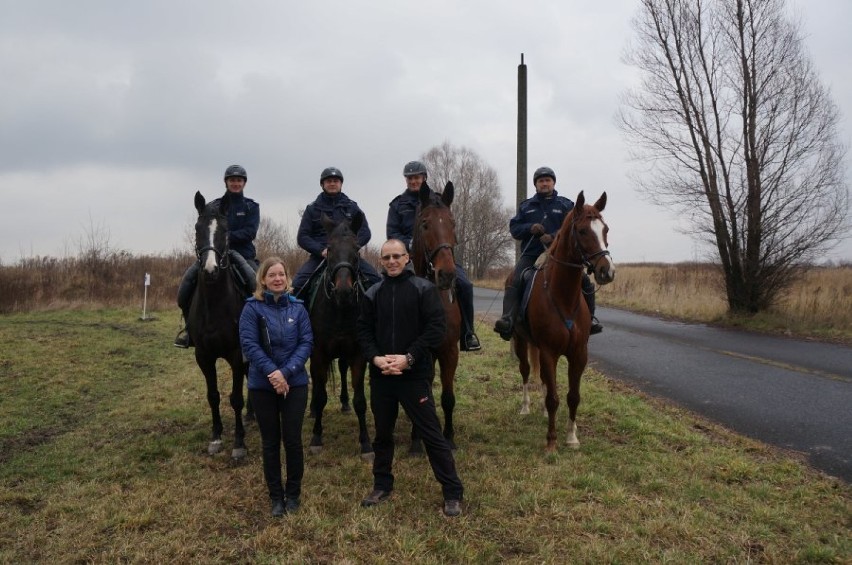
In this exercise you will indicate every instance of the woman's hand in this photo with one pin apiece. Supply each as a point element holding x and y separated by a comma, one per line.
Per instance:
<point>279,383</point>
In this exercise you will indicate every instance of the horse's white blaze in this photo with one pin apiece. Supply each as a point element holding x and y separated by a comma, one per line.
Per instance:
<point>598,227</point>
<point>210,255</point>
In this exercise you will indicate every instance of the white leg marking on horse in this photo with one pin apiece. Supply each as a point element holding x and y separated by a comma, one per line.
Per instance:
<point>525,404</point>
<point>210,255</point>
<point>214,447</point>
<point>571,439</point>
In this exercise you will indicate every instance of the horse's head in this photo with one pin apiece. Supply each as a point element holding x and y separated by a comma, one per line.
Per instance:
<point>342,257</point>
<point>434,237</point>
<point>585,233</point>
<point>211,236</point>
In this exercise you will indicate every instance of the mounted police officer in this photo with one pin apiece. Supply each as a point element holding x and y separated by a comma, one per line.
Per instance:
<point>243,221</point>
<point>400,225</point>
<point>312,236</point>
<point>535,225</point>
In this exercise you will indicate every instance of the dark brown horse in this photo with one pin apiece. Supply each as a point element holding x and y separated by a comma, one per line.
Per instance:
<point>432,255</point>
<point>334,311</point>
<point>214,316</point>
<point>557,319</point>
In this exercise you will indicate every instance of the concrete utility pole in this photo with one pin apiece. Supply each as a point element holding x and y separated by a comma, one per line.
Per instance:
<point>521,187</point>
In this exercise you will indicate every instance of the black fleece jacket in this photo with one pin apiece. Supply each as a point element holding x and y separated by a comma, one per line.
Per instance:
<point>400,315</point>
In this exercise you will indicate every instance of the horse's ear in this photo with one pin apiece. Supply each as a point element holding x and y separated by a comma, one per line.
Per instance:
<point>601,203</point>
<point>357,220</point>
<point>327,223</point>
<point>581,201</point>
<point>425,194</point>
<point>448,194</point>
<point>200,203</point>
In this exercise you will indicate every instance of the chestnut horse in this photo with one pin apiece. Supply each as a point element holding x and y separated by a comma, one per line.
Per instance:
<point>334,312</point>
<point>557,320</point>
<point>432,255</point>
<point>214,316</point>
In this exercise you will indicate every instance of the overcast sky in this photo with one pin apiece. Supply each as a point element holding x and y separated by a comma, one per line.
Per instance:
<point>112,114</point>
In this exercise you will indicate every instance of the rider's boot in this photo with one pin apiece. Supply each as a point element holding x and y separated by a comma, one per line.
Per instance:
<point>469,341</point>
<point>589,295</point>
<point>184,299</point>
<point>182,339</point>
<point>504,325</point>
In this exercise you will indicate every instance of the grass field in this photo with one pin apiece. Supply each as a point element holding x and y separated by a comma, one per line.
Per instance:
<point>103,434</point>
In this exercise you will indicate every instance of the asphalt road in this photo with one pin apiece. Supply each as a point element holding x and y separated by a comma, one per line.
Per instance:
<point>789,393</point>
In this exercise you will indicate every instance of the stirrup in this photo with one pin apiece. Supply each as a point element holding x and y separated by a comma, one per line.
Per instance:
<point>470,342</point>
<point>182,340</point>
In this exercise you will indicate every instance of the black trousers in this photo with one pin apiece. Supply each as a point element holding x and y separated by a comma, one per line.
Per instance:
<point>415,396</point>
<point>281,418</point>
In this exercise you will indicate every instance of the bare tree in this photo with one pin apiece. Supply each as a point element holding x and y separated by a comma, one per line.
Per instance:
<point>741,135</point>
<point>481,219</point>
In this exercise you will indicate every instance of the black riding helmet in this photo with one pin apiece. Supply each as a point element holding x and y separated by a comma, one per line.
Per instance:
<point>414,168</point>
<point>543,172</point>
<point>236,171</point>
<point>331,172</point>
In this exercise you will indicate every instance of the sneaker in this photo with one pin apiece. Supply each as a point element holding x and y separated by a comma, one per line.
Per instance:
<point>291,505</point>
<point>596,327</point>
<point>470,343</point>
<point>277,508</point>
<point>376,497</point>
<point>452,507</point>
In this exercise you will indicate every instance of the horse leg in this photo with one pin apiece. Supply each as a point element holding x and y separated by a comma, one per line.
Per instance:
<point>548,375</point>
<point>576,366</point>
<point>448,366</point>
<point>519,346</point>
<point>208,367</point>
<point>238,372</point>
<point>343,366</point>
<point>359,402</point>
<point>319,398</point>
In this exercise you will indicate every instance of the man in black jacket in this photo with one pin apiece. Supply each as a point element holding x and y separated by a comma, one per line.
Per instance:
<point>401,320</point>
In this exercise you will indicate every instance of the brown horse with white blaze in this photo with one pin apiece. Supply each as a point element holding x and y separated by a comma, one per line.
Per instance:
<point>558,321</point>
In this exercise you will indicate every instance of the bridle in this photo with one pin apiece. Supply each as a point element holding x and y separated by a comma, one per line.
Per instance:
<point>587,262</point>
<point>331,275</point>
<point>222,260</point>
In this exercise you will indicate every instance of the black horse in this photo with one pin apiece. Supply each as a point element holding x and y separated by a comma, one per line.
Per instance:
<point>214,317</point>
<point>335,309</point>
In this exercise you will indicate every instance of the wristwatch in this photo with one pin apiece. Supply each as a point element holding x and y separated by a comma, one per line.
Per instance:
<point>409,358</point>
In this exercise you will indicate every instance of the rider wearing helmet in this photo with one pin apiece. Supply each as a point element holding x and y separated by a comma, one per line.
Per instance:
<point>400,225</point>
<point>243,221</point>
<point>535,225</point>
<point>312,237</point>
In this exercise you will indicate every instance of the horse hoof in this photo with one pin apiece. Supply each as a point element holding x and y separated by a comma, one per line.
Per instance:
<point>238,453</point>
<point>345,408</point>
<point>573,444</point>
<point>316,449</point>
<point>368,457</point>
<point>524,410</point>
<point>214,447</point>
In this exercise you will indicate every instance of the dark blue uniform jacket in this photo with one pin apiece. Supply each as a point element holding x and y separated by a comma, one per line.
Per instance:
<point>549,212</point>
<point>312,237</point>
<point>243,221</point>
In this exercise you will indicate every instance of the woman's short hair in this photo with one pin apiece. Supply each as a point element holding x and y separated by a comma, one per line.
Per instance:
<point>267,264</point>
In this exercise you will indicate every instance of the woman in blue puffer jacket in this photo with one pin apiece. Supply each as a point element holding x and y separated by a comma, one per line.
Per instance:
<point>276,338</point>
